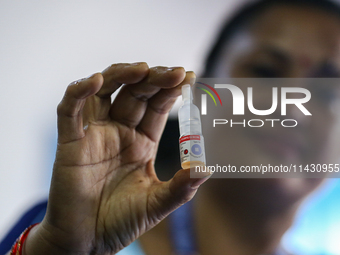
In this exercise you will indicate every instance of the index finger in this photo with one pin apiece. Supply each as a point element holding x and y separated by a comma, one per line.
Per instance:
<point>114,76</point>
<point>131,103</point>
<point>118,74</point>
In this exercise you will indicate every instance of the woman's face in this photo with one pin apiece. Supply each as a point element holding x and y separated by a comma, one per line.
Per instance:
<point>284,42</point>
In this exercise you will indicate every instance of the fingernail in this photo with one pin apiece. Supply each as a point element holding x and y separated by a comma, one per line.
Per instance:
<point>174,68</point>
<point>137,63</point>
<point>77,81</point>
<point>192,81</point>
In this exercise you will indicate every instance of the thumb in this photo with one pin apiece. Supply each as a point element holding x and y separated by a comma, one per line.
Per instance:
<point>179,190</point>
<point>70,118</point>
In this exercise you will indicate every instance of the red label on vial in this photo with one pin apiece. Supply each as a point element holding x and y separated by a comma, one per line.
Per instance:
<point>189,137</point>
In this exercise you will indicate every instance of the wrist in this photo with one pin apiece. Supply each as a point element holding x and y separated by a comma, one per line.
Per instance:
<point>38,243</point>
<point>17,248</point>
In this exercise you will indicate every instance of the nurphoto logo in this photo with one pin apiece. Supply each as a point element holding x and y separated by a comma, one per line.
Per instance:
<point>280,96</point>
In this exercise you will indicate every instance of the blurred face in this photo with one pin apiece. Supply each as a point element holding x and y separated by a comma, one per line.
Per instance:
<point>292,42</point>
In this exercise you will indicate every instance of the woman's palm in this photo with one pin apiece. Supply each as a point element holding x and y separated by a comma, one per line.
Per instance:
<point>104,191</point>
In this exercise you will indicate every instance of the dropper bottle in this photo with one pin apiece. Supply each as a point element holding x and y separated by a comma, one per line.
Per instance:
<point>191,141</point>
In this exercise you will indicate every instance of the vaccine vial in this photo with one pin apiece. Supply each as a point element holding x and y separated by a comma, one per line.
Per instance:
<point>191,141</point>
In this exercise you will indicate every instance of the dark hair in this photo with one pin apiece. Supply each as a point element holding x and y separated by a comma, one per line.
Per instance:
<point>250,11</point>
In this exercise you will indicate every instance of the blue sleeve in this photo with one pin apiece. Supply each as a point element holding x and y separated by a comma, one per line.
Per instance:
<point>132,249</point>
<point>34,215</point>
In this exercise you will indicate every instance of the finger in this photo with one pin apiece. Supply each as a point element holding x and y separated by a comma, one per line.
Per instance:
<point>131,102</point>
<point>70,119</point>
<point>117,74</point>
<point>97,108</point>
<point>159,106</point>
<point>177,191</point>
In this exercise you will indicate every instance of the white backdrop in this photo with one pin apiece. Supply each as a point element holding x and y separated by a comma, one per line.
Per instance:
<point>44,45</point>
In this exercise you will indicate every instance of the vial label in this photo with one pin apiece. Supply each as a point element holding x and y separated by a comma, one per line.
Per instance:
<point>192,149</point>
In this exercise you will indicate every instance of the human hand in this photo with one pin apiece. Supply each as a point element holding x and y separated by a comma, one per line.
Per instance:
<point>104,192</point>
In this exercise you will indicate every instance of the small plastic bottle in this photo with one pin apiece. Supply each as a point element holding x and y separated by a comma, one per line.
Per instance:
<point>191,141</point>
